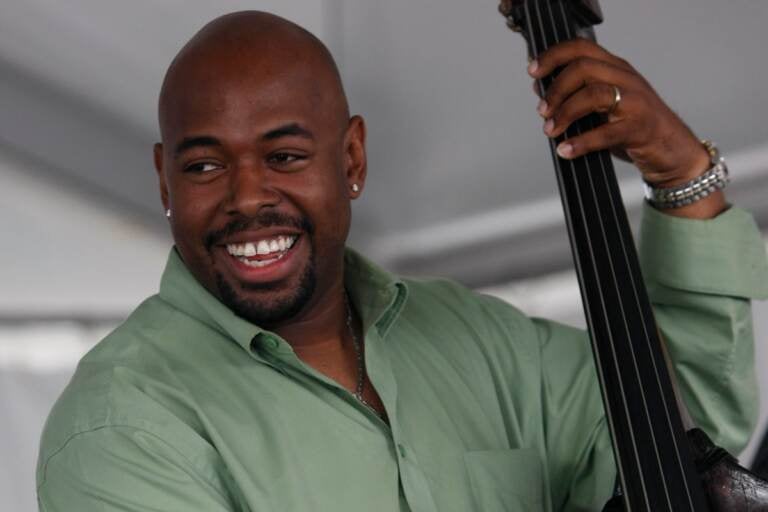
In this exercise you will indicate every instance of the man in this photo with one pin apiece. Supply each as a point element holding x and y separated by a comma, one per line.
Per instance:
<point>277,370</point>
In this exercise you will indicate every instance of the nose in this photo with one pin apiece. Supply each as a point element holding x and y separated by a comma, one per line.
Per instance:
<point>250,190</point>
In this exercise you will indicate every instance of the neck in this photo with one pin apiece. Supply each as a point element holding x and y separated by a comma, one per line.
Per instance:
<point>322,325</point>
<point>323,340</point>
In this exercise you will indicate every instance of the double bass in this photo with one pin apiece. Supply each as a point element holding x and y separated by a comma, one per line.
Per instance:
<point>662,466</point>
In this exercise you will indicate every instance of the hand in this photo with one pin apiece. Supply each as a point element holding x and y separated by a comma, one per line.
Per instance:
<point>640,127</point>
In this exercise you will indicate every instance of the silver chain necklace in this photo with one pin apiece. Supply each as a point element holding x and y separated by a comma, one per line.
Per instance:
<point>360,360</point>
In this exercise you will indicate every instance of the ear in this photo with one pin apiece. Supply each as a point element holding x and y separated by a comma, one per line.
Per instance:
<point>355,159</point>
<point>161,177</point>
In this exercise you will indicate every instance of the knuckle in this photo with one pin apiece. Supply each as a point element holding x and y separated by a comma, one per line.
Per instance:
<point>596,92</point>
<point>639,106</point>
<point>611,137</point>
<point>553,94</point>
<point>582,44</point>
<point>581,63</point>
<point>583,66</point>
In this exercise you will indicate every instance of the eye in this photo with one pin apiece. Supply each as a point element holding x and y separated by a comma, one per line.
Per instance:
<point>283,158</point>
<point>202,167</point>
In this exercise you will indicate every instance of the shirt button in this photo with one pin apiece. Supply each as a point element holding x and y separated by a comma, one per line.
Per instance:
<point>401,449</point>
<point>271,343</point>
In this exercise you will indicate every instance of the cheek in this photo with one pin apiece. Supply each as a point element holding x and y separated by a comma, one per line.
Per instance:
<point>336,205</point>
<point>193,210</point>
<point>327,204</point>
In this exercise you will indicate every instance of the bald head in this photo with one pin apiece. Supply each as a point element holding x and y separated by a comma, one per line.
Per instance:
<point>258,145</point>
<point>255,46</point>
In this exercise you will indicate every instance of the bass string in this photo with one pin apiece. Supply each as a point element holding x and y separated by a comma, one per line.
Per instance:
<point>601,156</point>
<point>617,227</point>
<point>654,369</point>
<point>604,167</point>
<point>600,222</point>
<point>590,245</point>
<point>566,199</point>
<point>571,164</point>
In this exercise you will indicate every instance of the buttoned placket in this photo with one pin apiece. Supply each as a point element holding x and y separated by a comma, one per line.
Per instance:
<point>412,479</point>
<point>278,354</point>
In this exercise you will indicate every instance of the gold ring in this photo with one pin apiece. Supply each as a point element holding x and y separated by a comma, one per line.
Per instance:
<point>616,99</point>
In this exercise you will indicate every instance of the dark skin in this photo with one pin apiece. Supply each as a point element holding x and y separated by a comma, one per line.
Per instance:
<point>240,106</point>
<point>257,142</point>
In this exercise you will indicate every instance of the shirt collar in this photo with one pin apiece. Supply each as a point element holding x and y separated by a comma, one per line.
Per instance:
<point>180,288</point>
<point>377,296</point>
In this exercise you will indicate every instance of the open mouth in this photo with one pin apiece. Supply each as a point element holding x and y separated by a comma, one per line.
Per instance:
<point>264,252</point>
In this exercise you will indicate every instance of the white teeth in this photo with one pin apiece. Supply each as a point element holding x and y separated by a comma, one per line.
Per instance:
<point>279,244</point>
<point>263,247</point>
<point>260,263</point>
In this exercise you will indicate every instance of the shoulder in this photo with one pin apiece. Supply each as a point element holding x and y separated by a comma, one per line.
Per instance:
<point>117,387</point>
<point>440,295</point>
<point>443,305</point>
<point>449,306</point>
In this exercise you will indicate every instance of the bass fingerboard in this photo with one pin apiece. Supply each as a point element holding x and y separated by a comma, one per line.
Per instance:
<point>655,466</point>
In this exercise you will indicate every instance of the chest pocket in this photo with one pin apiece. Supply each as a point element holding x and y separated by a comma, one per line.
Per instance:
<point>505,480</point>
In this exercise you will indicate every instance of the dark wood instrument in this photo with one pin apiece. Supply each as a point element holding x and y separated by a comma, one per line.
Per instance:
<point>660,466</point>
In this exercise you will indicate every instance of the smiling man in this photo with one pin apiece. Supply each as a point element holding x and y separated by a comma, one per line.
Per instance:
<point>278,370</point>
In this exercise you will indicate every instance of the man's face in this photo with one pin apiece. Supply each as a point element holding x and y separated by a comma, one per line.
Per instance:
<point>255,168</point>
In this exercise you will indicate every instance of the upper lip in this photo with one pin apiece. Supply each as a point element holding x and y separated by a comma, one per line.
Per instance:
<point>251,235</point>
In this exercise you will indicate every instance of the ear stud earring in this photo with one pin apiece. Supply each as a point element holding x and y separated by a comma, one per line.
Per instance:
<point>355,188</point>
<point>168,213</point>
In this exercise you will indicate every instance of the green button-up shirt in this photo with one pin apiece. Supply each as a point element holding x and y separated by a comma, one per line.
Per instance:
<point>187,407</point>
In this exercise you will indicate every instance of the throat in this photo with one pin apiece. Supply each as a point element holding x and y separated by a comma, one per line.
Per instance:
<point>338,360</point>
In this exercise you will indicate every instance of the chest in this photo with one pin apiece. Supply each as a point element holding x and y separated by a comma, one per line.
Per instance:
<point>293,441</point>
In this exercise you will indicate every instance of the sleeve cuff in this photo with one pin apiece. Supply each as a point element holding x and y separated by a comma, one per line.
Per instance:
<point>721,256</point>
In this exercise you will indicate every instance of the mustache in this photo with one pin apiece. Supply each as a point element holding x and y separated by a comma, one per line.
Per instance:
<point>265,219</point>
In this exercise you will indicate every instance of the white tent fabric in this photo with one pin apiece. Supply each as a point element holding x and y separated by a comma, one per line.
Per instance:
<point>66,254</point>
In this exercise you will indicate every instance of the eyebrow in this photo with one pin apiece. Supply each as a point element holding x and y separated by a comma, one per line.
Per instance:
<point>288,130</point>
<point>191,142</point>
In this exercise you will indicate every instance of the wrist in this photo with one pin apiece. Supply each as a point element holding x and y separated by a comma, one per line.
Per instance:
<point>698,164</point>
<point>697,191</point>
<point>708,208</point>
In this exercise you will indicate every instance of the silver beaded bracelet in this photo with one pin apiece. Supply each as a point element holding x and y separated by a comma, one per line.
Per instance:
<point>714,178</point>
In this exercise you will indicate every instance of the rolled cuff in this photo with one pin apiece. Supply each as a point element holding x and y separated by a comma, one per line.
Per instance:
<point>721,256</point>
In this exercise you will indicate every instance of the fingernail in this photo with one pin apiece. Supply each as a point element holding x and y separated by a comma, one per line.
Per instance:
<point>533,66</point>
<point>565,150</point>
<point>548,126</point>
<point>542,107</point>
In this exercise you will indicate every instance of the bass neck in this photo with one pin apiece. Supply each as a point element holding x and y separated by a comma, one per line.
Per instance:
<point>655,466</point>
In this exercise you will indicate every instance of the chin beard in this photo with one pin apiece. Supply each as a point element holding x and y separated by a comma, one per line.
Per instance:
<point>273,310</point>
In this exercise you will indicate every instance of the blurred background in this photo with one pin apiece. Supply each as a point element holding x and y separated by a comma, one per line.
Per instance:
<point>460,181</point>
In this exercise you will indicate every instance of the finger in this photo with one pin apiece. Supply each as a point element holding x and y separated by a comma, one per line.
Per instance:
<point>563,53</point>
<point>606,136</point>
<point>598,97</point>
<point>580,73</point>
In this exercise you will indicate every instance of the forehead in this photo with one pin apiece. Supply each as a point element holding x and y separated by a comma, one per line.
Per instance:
<point>245,91</point>
<point>211,98</point>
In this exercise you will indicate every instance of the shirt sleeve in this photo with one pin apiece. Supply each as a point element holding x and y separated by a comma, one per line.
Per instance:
<point>701,275</point>
<point>128,470</point>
